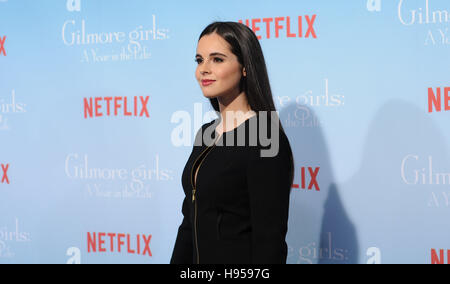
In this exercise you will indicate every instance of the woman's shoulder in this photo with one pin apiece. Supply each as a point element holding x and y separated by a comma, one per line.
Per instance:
<point>203,132</point>
<point>272,140</point>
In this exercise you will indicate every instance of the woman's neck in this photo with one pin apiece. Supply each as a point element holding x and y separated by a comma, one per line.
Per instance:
<point>233,112</point>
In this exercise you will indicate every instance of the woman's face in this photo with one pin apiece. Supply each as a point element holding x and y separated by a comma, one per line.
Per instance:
<point>216,62</point>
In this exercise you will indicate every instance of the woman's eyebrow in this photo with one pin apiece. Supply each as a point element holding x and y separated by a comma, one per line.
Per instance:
<point>213,54</point>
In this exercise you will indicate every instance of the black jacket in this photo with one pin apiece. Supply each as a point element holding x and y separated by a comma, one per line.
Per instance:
<point>239,212</point>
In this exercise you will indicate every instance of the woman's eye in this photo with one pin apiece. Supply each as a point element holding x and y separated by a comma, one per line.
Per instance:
<point>216,59</point>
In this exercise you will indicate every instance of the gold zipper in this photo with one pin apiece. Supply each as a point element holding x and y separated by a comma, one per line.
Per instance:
<point>193,194</point>
<point>192,170</point>
<point>195,232</point>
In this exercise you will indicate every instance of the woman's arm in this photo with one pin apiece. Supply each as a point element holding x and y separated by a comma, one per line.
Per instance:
<point>269,189</point>
<point>183,250</point>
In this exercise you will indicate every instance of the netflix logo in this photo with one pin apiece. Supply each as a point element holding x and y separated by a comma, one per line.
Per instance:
<point>439,258</point>
<point>116,106</point>
<point>300,27</point>
<point>2,45</point>
<point>438,98</point>
<point>5,178</point>
<point>308,174</point>
<point>121,243</point>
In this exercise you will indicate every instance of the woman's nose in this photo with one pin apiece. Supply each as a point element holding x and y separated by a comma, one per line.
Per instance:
<point>204,69</point>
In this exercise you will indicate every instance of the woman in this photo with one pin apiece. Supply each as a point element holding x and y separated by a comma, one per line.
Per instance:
<point>237,200</point>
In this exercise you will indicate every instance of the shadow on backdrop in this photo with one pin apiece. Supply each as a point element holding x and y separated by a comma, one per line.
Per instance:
<point>320,230</point>
<point>396,201</point>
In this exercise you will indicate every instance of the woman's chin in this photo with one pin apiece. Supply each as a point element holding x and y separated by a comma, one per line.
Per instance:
<point>210,95</point>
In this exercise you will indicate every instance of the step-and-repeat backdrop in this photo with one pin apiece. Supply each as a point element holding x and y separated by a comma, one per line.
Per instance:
<point>94,94</point>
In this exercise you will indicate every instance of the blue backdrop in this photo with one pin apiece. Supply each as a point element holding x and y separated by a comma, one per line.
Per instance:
<point>93,93</point>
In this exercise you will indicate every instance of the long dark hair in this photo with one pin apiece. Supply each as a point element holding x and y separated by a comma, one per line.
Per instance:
<point>245,45</point>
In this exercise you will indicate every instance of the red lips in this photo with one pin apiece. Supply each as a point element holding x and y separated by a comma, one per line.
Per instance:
<point>207,82</point>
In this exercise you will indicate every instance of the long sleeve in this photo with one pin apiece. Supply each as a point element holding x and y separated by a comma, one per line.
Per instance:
<point>268,180</point>
<point>183,249</point>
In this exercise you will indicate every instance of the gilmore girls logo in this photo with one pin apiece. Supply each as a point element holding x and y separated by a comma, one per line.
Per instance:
<point>425,12</point>
<point>116,182</point>
<point>420,12</point>
<point>9,107</point>
<point>123,45</point>
<point>416,170</point>
<point>422,171</point>
<point>78,33</point>
<point>10,237</point>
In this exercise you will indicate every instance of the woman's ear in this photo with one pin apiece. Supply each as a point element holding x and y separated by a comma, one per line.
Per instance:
<point>245,73</point>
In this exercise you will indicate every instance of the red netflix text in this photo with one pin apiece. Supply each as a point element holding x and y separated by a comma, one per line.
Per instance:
<point>121,243</point>
<point>5,178</point>
<point>2,46</point>
<point>302,27</point>
<point>439,258</point>
<point>116,106</point>
<point>312,175</point>
<point>436,99</point>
